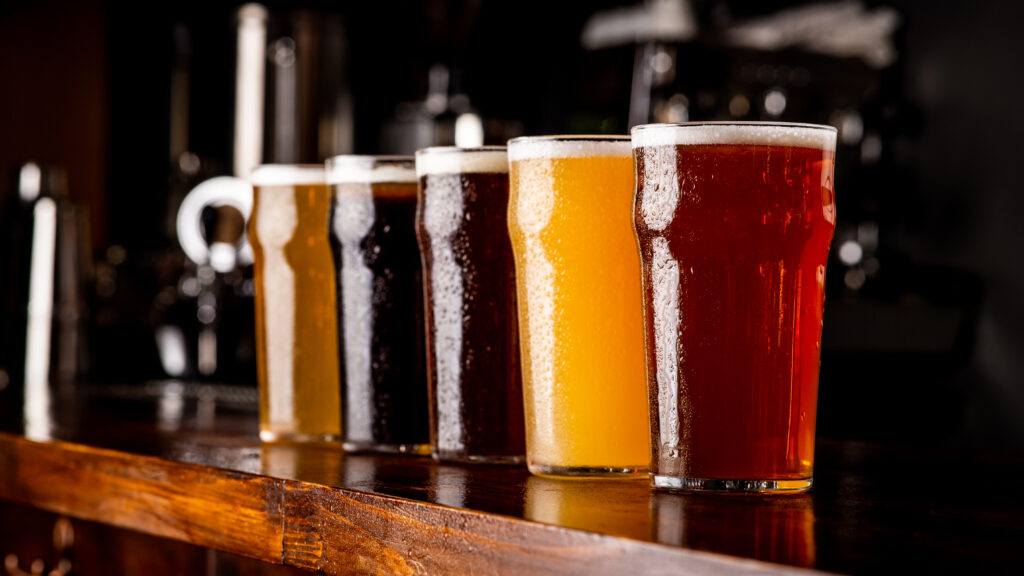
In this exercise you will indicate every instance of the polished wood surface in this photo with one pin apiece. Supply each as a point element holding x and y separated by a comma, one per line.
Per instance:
<point>188,466</point>
<point>30,536</point>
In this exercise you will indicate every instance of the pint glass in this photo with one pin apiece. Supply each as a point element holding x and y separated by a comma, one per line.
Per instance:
<point>296,334</point>
<point>380,289</point>
<point>580,314</point>
<point>476,397</point>
<point>734,222</point>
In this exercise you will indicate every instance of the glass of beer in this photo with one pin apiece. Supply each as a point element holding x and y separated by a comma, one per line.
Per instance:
<point>476,397</point>
<point>734,222</point>
<point>296,330</point>
<point>580,314</point>
<point>380,289</point>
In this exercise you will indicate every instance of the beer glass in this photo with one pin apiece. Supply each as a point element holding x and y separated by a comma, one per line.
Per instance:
<point>476,398</point>
<point>580,315</point>
<point>296,332</point>
<point>734,222</point>
<point>379,283</point>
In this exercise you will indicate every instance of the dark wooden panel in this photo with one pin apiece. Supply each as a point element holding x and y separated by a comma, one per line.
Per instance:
<point>55,101</point>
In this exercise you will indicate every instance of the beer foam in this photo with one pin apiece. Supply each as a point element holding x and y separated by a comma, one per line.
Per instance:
<point>370,169</point>
<point>287,175</point>
<point>749,133</point>
<point>568,147</point>
<point>449,160</point>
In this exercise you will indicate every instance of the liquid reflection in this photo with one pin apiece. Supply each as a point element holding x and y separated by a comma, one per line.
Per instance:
<point>771,529</point>
<point>317,463</point>
<point>593,505</point>
<point>448,486</point>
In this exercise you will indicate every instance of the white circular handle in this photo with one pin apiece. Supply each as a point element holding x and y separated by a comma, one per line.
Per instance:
<point>215,192</point>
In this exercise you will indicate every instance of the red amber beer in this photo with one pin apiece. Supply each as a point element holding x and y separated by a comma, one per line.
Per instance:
<point>734,222</point>
<point>476,395</point>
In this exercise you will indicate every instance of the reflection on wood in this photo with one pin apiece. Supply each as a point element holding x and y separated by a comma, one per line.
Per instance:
<point>316,507</point>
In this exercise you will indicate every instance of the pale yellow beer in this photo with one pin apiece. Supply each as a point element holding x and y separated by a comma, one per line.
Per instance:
<point>296,321</point>
<point>580,305</point>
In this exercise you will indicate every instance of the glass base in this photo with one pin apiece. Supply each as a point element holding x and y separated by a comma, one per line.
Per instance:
<point>463,458</point>
<point>731,486</point>
<point>270,436</point>
<point>372,447</point>
<point>587,471</point>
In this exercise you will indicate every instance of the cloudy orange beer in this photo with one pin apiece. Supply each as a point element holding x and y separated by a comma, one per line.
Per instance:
<point>580,314</point>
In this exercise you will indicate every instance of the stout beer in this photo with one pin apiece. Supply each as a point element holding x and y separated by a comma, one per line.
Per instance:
<point>380,300</point>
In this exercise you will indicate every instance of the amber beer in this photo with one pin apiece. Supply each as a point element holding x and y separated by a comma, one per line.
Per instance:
<point>734,223</point>
<point>476,397</point>
<point>580,317</point>
<point>296,334</point>
<point>380,300</point>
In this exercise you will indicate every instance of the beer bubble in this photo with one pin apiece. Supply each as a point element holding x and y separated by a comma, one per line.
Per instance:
<point>658,204</point>
<point>665,280</point>
<point>442,213</point>
<point>276,219</point>
<point>353,220</point>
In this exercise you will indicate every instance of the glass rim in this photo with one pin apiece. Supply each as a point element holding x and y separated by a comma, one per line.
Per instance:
<point>568,146</point>
<point>441,160</point>
<point>369,158</point>
<point>735,132</point>
<point>282,174</point>
<point>752,123</point>
<point>370,169</point>
<point>569,138</point>
<point>460,149</point>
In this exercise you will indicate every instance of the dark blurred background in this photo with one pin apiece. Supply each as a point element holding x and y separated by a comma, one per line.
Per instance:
<point>116,112</point>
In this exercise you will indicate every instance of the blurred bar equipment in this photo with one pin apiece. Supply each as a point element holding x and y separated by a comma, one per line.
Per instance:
<point>45,244</point>
<point>291,105</point>
<point>210,222</point>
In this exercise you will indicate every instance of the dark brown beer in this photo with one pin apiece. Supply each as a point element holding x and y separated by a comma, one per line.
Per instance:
<point>380,299</point>
<point>476,400</point>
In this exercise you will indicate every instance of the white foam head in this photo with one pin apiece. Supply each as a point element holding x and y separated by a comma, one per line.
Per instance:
<point>568,147</point>
<point>288,175</point>
<point>450,160</point>
<point>745,133</point>
<point>370,169</point>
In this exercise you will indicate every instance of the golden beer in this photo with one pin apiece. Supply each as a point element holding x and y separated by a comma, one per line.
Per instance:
<point>580,305</point>
<point>296,330</point>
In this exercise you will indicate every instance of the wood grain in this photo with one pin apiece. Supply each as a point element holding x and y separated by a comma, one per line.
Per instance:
<point>359,533</point>
<point>226,510</point>
<point>311,526</point>
<point>212,483</point>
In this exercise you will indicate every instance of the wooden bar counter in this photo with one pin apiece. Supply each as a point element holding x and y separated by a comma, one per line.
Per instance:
<point>183,462</point>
